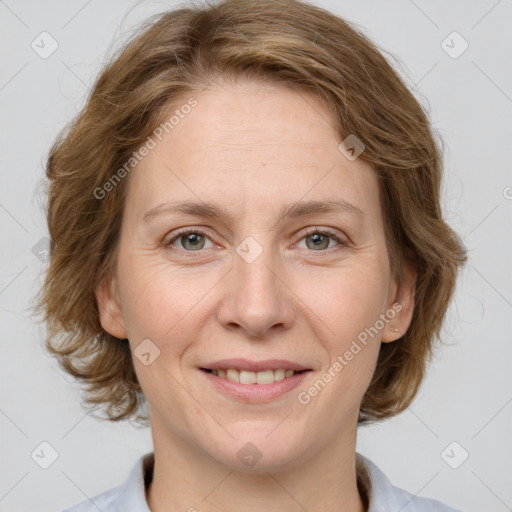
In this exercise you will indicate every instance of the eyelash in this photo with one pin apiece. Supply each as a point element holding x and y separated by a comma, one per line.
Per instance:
<point>309,232</point>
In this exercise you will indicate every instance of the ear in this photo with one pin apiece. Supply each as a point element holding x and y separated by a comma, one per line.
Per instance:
<point>109,306</point>
<point>401,300</point>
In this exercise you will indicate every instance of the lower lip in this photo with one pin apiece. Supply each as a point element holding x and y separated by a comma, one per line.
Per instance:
<point>256,393</point>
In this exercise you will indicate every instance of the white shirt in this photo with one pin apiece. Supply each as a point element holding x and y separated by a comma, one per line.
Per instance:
<point>384,497</point>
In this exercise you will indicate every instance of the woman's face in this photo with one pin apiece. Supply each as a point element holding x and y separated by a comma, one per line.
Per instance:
<point>265,274</point>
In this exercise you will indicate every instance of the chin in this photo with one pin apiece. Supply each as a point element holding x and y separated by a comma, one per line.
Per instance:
<point>259,453</point>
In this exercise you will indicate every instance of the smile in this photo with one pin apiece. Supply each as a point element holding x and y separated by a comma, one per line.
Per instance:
<point>254,387</point>
<point>248,377</point>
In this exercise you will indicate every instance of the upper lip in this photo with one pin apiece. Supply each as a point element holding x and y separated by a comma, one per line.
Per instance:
<point>255,366</point>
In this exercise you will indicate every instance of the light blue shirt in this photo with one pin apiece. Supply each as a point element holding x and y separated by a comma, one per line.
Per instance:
<point>384,497</point>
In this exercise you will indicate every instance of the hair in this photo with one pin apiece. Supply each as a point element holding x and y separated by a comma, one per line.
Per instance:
<point>180,52</point>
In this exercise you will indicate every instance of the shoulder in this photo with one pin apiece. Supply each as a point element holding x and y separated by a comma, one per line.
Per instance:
<point>128,497</point>
<point>106,502</point>
<point>383,494</point>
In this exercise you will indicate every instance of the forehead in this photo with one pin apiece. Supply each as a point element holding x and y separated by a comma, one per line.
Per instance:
<point>253,145</point>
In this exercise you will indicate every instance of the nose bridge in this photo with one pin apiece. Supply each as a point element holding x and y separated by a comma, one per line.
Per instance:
<point>253,275</point>
<point>258,300</point>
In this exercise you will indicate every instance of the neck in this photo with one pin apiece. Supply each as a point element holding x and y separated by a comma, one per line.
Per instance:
<point>185,478</point>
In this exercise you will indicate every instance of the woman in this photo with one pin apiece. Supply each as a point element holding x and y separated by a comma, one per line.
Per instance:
<point>247,237</point>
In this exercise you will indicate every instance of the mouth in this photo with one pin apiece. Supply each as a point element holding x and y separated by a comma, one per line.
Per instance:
<point>268,376</point>
<point>254,382</point>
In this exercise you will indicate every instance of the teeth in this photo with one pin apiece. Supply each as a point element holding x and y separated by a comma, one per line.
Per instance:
<point>245,377</point>
<point>266,377</point>
<point>233,375</point>
<point>279,374</point>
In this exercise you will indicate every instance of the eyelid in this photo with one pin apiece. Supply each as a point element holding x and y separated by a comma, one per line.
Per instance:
<point>321,230</point>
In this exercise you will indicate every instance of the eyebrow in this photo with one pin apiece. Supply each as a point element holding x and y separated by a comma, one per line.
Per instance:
<point>294,210</point>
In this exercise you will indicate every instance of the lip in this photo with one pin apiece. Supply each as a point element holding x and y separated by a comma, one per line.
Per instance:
<point>255,393</point>
<point>255,366</point>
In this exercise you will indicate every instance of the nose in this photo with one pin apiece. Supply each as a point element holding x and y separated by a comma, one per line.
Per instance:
<point>256,298</point>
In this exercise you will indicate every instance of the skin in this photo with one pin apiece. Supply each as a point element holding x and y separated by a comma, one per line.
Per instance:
<point>253,149</point>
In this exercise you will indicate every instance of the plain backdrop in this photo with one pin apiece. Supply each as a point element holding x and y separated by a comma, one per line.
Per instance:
<point>464,407</point>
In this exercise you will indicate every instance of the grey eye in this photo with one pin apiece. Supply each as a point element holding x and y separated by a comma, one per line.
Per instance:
<point>192,241</point>
<point>318,241</point>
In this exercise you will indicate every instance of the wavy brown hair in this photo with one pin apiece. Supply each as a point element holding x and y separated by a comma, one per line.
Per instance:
<point>176,54</point>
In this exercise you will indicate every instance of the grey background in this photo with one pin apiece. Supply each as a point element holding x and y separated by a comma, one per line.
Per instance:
<point>467,395</point>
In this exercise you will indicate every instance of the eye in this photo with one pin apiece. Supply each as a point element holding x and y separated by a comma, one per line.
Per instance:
<point>193,240</point>
<point>190,239</point>
<point>319,239</point>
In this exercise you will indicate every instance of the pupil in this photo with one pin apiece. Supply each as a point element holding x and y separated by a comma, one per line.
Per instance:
<point>319,240</point>
<point>193,238</point>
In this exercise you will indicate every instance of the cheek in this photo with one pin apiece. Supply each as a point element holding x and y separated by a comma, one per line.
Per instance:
<point>162,305</point>
<point>161,300</point>
<point>346,301</point>
<point>345,308</point>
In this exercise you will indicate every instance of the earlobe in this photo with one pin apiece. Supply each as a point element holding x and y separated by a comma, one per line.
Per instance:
<point>402,303</point>
<point>109,307</point>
